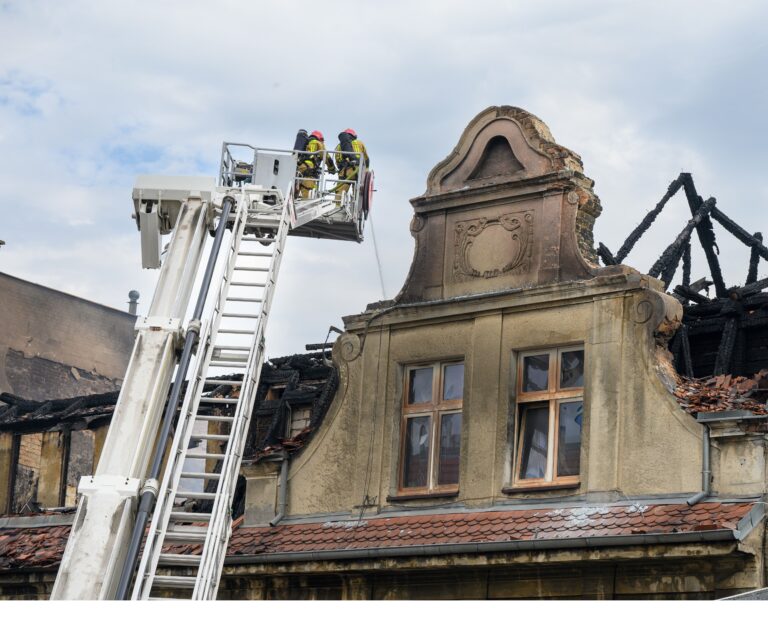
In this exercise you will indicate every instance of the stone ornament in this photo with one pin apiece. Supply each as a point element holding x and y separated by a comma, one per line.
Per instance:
<point>492,247</point>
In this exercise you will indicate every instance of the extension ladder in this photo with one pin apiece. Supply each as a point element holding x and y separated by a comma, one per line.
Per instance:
<point>232,342</point>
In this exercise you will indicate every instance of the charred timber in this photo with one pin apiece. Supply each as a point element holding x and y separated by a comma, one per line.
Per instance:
<point>605,254</point>
<point>690,295</point>
<point>725,351</point>
<point>686,350</point>
<point>754,260</point>
<point>648,220</point>
<point>706,234</point>
<point>740,233</point>
<point>674,250</point>
<point>687,264</point>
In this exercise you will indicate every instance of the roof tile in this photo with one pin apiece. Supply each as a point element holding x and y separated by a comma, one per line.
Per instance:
<point>43,546</point>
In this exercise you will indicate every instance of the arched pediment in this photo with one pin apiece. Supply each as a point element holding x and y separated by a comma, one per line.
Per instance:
<point>500,144</point>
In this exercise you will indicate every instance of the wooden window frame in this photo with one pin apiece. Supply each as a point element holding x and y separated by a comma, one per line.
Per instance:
<point>554,396</point>
<point>434,409</point>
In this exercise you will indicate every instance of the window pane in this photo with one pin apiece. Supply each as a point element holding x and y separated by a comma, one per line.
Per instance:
<point>572,369</point>
<point>420,385</point>
<point>416,454</point>
<point>80,462</point>
<point>450,447</point>
<point>536,373</point>
<point>533,462</point>
<point>453,381</point>
<point>569,437</point>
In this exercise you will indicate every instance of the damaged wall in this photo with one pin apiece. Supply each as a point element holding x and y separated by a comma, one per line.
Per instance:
<point>55,345</point>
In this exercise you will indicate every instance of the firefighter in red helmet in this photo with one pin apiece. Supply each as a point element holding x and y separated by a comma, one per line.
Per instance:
<point>349,152</point>
<point>310,163</point>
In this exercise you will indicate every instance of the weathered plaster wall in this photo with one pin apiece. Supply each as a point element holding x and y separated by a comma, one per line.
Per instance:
<point>636,440</point>
<point>55,345</point>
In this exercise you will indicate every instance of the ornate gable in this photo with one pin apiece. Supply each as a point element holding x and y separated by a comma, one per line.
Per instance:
<point>507,208</point>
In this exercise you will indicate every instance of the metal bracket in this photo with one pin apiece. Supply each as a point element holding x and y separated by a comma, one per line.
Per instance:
<point>158,323</point>
<point>151,486</point>
<point>124,487</point>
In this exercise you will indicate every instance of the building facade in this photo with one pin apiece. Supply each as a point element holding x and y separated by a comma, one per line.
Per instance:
<point>506,428</point>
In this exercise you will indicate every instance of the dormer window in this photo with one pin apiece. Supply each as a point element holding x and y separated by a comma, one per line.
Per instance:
<point>430,441</point>
<point>550,410</point>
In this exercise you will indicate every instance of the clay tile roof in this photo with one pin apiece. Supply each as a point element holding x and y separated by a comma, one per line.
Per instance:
<point>43,546</point>
<point>40,547</point>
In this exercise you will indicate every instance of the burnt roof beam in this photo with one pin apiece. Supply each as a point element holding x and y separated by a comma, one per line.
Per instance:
<point>674,251</point>
<point>648,220</point>
<point>706,233</point>
<point>754,260</point>
<point>740,233</point>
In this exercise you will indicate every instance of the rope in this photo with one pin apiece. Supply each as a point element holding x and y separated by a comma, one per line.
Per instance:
<point>378,259</point>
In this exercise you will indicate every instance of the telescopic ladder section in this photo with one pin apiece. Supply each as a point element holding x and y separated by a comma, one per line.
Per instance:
<point>232,343</point>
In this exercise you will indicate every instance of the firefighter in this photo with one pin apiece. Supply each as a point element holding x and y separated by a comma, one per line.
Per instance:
<point>311,163</point>
<point>348,165</point>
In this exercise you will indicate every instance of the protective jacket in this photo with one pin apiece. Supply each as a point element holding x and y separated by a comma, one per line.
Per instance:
<point>349,160</point>
<point>312,155</point>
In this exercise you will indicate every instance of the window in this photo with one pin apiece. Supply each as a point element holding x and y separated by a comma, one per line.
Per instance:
<point>431,428</point>
<point>550,412</point>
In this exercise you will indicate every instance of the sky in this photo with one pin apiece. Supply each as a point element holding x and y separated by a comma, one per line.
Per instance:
<point>93,93</point>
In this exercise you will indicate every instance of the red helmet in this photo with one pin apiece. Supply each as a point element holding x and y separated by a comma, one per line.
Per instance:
<point>350,131</point>
<point>318,135</point>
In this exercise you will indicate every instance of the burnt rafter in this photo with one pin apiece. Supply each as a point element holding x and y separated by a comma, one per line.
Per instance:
<point>724,334</point>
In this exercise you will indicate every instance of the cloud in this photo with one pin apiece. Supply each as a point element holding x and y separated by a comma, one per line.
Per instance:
<point>94,93</point>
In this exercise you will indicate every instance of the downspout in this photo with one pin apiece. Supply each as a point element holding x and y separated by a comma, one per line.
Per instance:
<point>706,471</point>
<point>282,498</point>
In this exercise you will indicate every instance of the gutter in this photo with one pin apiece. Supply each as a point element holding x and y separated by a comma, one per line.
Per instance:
<point>706,470</point>
<point>744,527</point>
<point>482,548</point>
<point>282,499</point>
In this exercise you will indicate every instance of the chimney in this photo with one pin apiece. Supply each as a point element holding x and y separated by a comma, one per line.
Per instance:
<point>133,302</point>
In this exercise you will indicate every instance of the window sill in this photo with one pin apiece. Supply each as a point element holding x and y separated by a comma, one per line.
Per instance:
<point>514,490</point>
<point>409,496</point>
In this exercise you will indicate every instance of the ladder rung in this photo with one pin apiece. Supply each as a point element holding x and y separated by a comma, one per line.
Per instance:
<point>224,382</point>
<point>198,475</point>
<point>219,437</point>
<point>249,239</point>
<point>185,537</point>
<point>244,299</point>
<point>204,456</point>
<point>238,315</point>
<point>255,254</point>
<point>248,284</point>
<point>175,582</point>
<point>211,417</point>
<point>195,495</point>
<point>231,348</point>
<point>181,515</point>
<point>219,400</point>
<point>228,363</point>
<point>179,560</point>
<point>237,331</point>
<point>263,270</point>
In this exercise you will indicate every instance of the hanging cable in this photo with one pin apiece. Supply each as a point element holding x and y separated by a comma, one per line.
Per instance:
<point>378,259</point>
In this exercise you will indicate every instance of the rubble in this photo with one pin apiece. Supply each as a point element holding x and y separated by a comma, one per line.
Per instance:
<point>723,392</point>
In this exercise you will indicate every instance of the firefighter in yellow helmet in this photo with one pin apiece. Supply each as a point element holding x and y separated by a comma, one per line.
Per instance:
<point>310,163</point>
<point>349,165</point>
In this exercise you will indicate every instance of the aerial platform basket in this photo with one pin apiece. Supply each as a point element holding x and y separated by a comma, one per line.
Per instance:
<point>325,206</point>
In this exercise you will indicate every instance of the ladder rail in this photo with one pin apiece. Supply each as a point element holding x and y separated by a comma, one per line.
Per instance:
<point>219,531</point>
